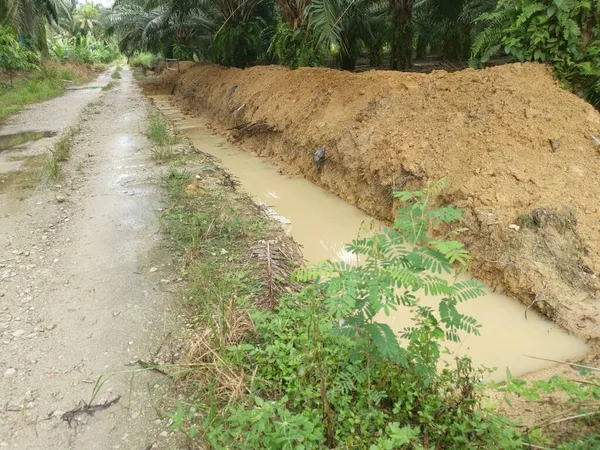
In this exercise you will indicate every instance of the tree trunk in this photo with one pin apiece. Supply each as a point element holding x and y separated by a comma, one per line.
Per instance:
<point>421,48</point>
<point>402,34</point>
<point>347,61</point>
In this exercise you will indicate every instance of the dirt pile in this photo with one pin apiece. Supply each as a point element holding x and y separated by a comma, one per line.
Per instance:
<point>517,152</point>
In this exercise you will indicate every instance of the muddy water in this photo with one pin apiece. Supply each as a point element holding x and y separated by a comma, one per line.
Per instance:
<point>322,223</point>
<point>8,141</point>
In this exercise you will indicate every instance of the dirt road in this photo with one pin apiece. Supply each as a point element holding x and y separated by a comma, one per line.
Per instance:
<point>85,286</point>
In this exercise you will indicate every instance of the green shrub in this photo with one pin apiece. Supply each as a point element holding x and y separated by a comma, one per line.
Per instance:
<point>294,47</point>
<point>238,44</point>
<point>147,61</point>
<point>564,33</point>
<point>13,55</point>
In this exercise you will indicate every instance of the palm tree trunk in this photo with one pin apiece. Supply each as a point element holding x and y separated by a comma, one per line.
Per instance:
<point>402,34</point>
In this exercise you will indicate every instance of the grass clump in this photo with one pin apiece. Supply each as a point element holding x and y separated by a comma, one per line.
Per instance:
<point>60,153</point>
<point>108,86</point>
<point>159,133</point>
<point>116,75</point>
<point>158,130</point>
<point>144,60</point>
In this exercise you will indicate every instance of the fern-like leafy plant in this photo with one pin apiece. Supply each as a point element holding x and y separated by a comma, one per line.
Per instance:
<point>401,265</point>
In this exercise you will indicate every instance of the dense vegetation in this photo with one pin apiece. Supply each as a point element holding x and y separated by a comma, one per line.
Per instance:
<point>47,43</point>
<point>319,368</point>
<point>380,33</point>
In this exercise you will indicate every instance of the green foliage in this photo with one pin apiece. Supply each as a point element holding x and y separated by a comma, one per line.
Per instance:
<point>343,24</point>
<point>29,19</point>
<point>13,55</point>
<point>238,44</point>
<point>564,33</point>
<point>84,50</point>
<point>583,401</point>
<point>145,60</point>
<point>41,84</point>
<point>294,47</point>
<point>325,373</point>
<point>182,52</point>
<point>158,131</point>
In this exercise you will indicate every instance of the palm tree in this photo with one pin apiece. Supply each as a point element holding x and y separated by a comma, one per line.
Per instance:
<point>344,24</point>
<point>292,11</point>
<point>29,18</point>
<point>402,30</point>
<point>86,17</point>
<point>157,25</point>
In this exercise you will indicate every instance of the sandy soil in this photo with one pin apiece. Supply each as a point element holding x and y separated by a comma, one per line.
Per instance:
<point>516,149</point>
<point>86,289</point>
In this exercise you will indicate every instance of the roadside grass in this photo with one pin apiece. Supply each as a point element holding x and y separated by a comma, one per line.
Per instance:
<point>59,154</point>
<point>109,86</point>
<point>116,75</point>
<point>37,86</point>
<point>214,233</point>
<point>159,133</point>
<point>158,130</point>
<point>27,91</point>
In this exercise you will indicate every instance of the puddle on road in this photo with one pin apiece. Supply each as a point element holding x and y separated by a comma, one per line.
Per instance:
<point>19,182</point>
<point>323,223</point>
<point>8,141</point>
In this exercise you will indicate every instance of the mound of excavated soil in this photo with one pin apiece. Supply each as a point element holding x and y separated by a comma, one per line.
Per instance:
<point>516,150</point>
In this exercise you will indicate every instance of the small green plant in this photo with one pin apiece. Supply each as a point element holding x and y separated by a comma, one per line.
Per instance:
<point>158,131</point>
<point>13,55</point>
<point>116,75</point>
<point>52,167</point>
<point>60,153</point>
<point>109,86</point>
<point>162,153</point>
<point>581,407</point>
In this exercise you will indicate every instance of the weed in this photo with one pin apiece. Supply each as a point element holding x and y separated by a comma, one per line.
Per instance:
<point>214,233</point>
<point>116,75</point>
<point>109,86</point>
<point>158,130</point>
<point>52,167</point>
<point>145,61</point>
<point>162,153</point>
<point>60,153</point>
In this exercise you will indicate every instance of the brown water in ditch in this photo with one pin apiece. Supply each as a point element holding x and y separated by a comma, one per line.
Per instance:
<point>323,223</point>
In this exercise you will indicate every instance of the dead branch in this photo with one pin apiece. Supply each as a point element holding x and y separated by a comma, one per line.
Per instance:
<point>564,362</point>
<point>278,265</point>
<point>90,410</point>
<point>250,129</point>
